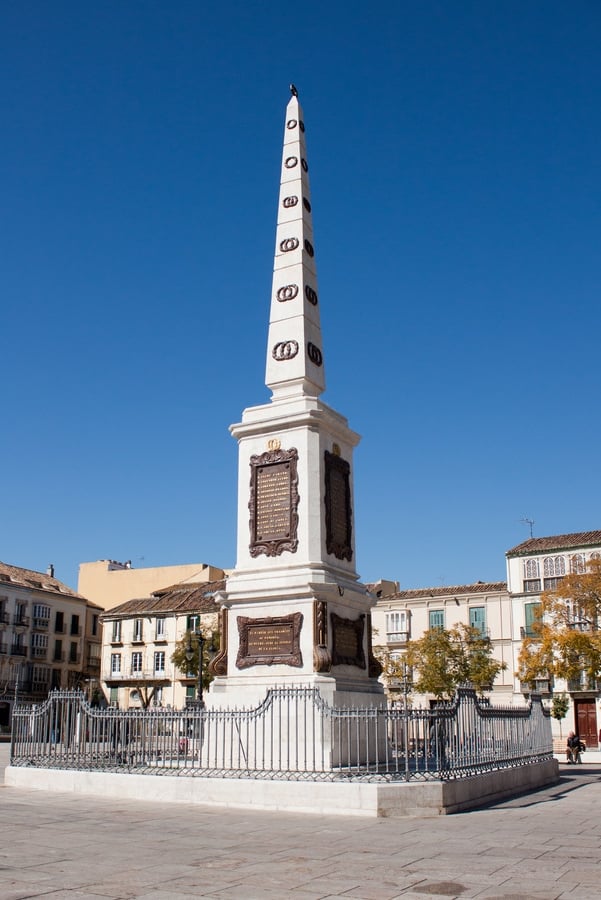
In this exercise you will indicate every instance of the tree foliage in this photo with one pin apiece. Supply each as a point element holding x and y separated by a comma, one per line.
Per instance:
<point>560,705</point>
<point>190,666</point>
<point>567,640</point>
<point>444,659</point>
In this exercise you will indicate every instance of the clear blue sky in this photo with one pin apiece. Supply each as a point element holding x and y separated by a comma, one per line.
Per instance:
<point>454,151</point>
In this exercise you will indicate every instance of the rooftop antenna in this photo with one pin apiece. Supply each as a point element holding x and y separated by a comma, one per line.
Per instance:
<point>526,521</point>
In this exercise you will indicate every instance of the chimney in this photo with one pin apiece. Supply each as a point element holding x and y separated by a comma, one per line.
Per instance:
<point>50,570</point>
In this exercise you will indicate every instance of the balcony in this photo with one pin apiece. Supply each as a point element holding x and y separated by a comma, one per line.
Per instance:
<point>4,617</point>
<point>397,637</point>
<point>20,621</point>
<point>59,656</point>
<point>41,624</point>
<point>18,650</point>
<point>74,659</point>
<point>584,684</point>
<point>75,631</point>
<point>39,652</point>
<point>132,678</point>
<point>3,648</point>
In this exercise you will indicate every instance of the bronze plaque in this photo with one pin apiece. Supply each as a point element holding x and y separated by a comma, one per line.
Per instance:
<point>338,507</point>
<point>273,502</point>
<point>347,641</point>
<point>269,641</point>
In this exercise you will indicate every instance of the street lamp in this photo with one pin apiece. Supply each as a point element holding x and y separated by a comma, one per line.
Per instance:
<point>200,643</point>
<point>406,682</point>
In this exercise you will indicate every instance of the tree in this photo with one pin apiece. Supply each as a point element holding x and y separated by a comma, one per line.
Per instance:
<point>567,640</point>
<point>559,708</point>
<point>444,659</point>
<point>190,666</point>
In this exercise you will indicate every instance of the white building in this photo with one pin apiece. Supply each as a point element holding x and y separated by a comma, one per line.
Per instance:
<point>139,640</point>
<point>537,565</point>
<point>49,637</point>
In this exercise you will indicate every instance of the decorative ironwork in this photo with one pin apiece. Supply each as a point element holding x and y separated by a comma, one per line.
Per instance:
<point>285,350</point>
<point>322,658</point>
<point>309,248</point>
<point>383,744</point>
<point>273,502</point>
<point>347,641</point>
<point>306,204</point>
<point>218,665</point>
<point>314,354</point>
<point>274,640</point>
<point>287,292</point>
<point>339,528</point>
<point>291,161</point>
<point>311,295</point>
<point>289,244</point>
<point>289,202</point>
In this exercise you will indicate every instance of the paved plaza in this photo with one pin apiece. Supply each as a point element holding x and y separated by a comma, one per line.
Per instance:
<point>71,847</point>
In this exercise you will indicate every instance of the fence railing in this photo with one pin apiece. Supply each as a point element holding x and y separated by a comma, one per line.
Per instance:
<point>293,734</point>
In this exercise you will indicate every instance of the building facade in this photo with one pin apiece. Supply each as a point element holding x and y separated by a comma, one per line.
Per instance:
<point>50,637</point>
<point>537,565</point>
<point>140,637</point>
<point>109,583</point>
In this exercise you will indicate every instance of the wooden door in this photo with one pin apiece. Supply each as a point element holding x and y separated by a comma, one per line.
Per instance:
<point>586,722</point>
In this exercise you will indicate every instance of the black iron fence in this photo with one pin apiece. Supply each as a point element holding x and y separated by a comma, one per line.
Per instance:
<point>293,734</point>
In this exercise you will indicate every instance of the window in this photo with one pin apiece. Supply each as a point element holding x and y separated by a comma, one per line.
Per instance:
<point>114,695</point>
<point>478,619</point>
<point>396,626</point>
<point>41,614</point>
<point>116,637</point>
<point>160,634</point>
<point>159,662</point>
<point>436,618</point>
<point>577,566</point>
<point>20,617</point>
<point>115,664</point>
<point>551,584</point>
<point>190,692</point>
<point>74,625</point>
<point>531,568</point>
<point>59,622</point>
<point>73,652</point>
<point>532,586</point>
<point>136,663</point>
<point>531,615</point>
<point>94,624</point>
<point>39,645</point>
<point>192,623</point>
<point>58,650</point>
<point>3,612</point>
<point>554,565</point>
<point>138,630</point>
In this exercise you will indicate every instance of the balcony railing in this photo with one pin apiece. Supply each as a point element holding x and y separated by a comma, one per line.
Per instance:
<point>3,648</point>
<point>18,650</point>
<point>397,637</point>
<point>41,624</point>
<point>135,676</point>
<point>584,683</point>
<point>21,621</point>
<point>4,617</point>
<point>39,652</point>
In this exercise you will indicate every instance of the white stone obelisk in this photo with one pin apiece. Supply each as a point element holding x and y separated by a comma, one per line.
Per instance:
<point>294,612</point>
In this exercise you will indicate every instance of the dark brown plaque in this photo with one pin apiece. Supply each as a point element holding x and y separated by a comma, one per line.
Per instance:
<point>347,641</point>
<point>269,641</point>
<point>339,527</point>
<point>273,502</point>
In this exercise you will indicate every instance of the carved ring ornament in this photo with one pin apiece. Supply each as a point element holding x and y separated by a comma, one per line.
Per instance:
<point>287,292</point>
<point>309,248</point>
<point>306,204</point>
<point>289,202</point>
<point>311,295</point>
<point>314,354</point>
<point>301,125</point>
<point>289,244</point>
<point>291,123</point>
<point>285,350</point>
<point>291,161</point>
<point>304,165</point>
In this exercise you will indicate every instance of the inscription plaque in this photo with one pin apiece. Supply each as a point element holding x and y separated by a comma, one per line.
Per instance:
<point>338,507</point>
<point>269,641</point>
<point>347,641</point>
<point>273,503</point>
